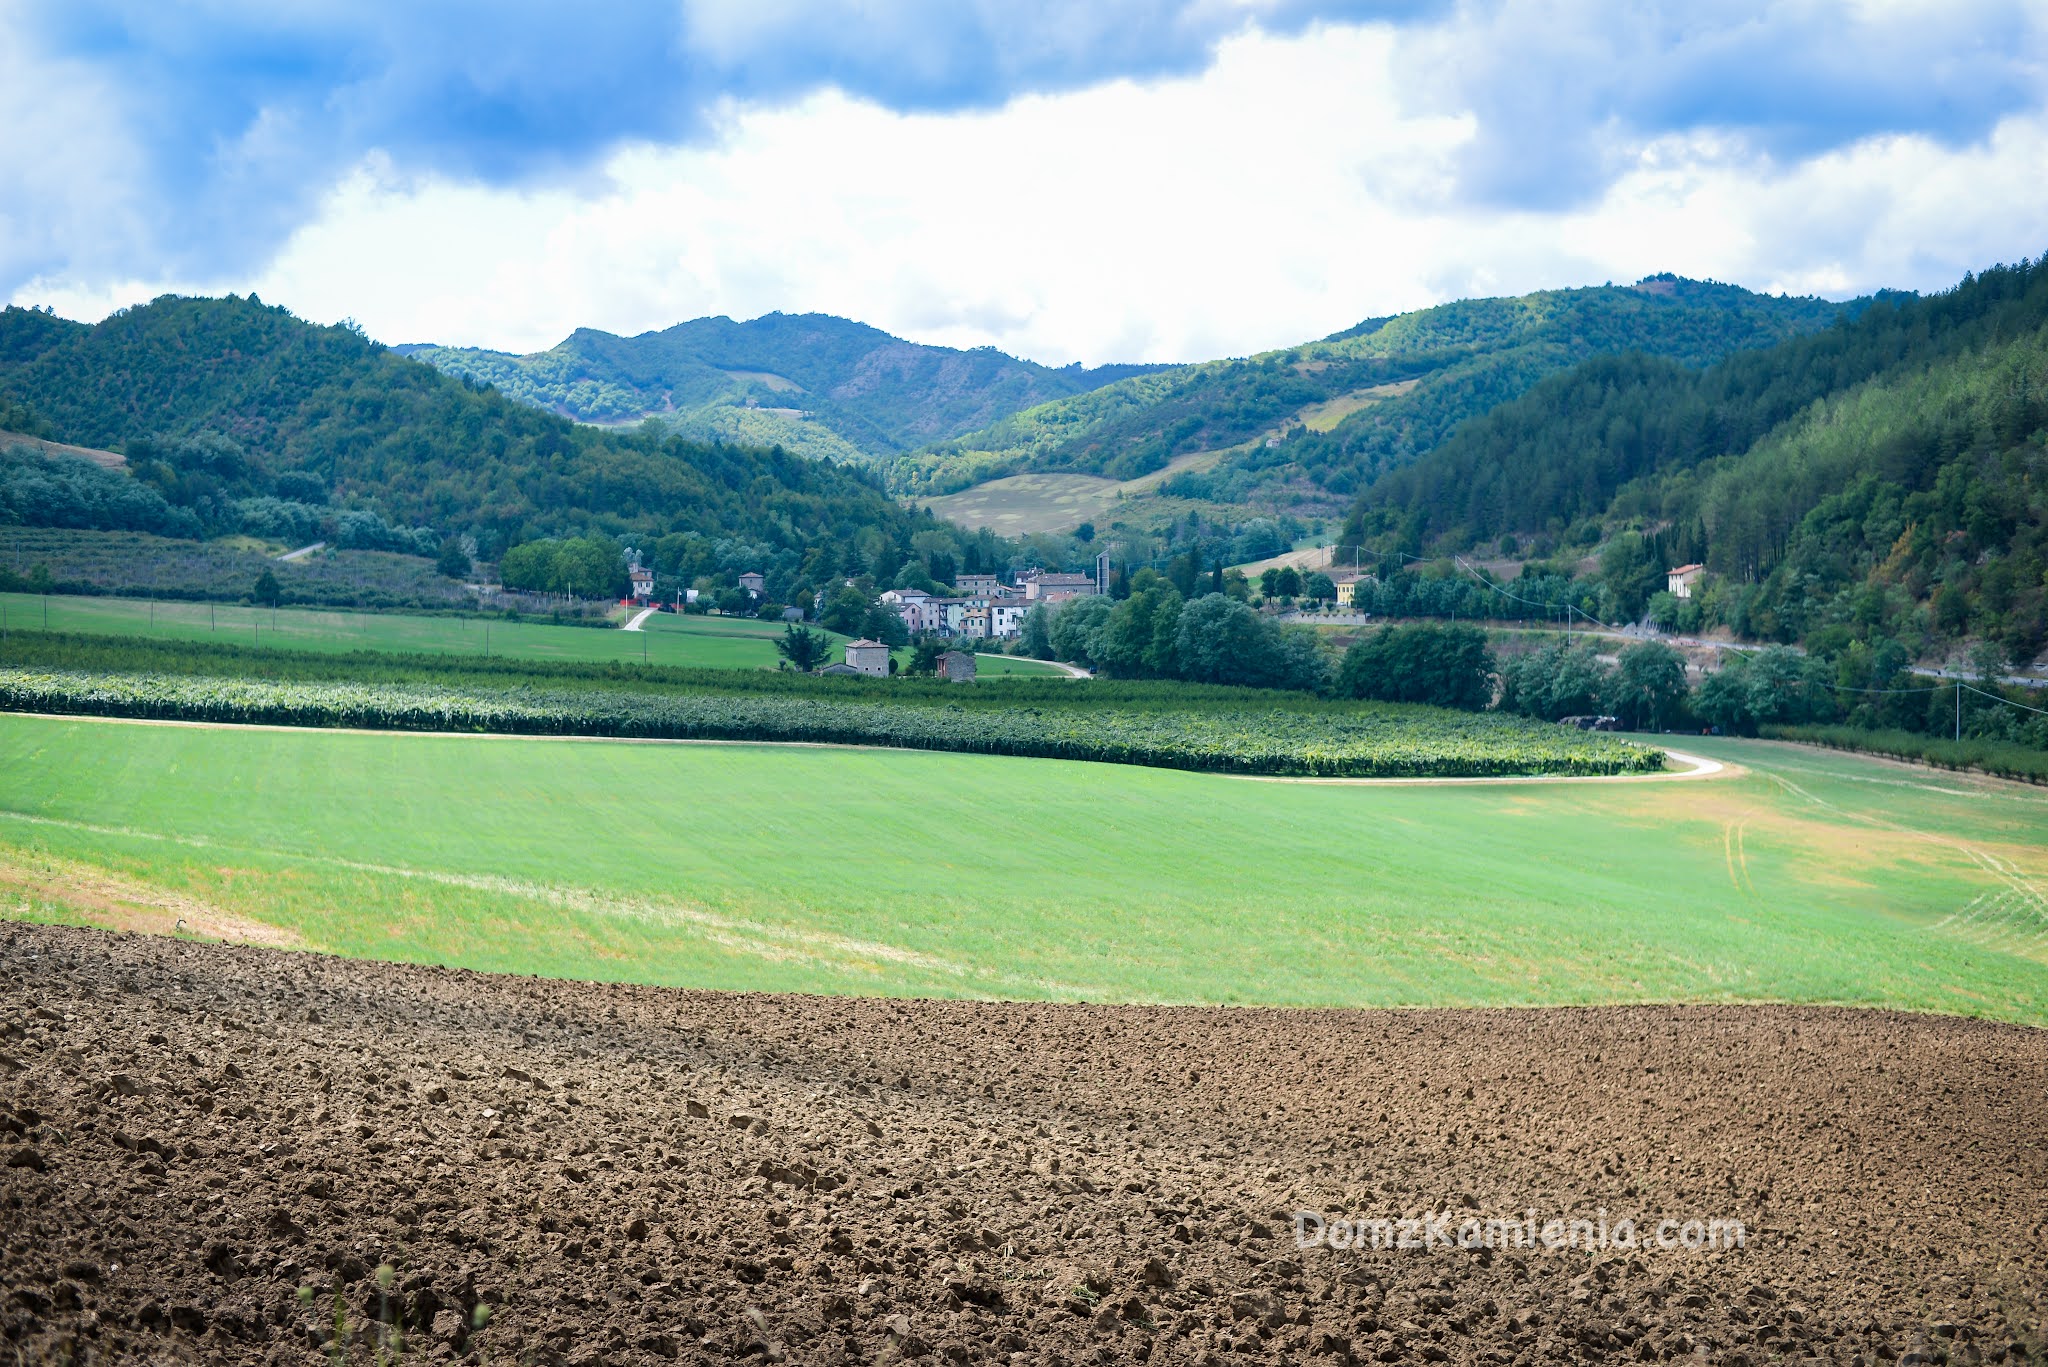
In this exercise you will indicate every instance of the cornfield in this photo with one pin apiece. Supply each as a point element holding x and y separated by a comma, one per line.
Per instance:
<point>1361,742</point>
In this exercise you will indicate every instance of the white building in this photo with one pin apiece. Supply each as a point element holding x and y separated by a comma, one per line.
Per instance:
<point>643,582</point>
<point>1006,617</point>
<point>1679,582</point>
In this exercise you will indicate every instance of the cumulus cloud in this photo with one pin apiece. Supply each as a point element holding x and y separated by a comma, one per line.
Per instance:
<point>1153,179</point>
<point>1567,94</point>
<point>238,115</point>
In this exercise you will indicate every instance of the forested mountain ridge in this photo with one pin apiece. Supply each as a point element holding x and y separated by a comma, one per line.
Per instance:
<point>227,409</point>
<point>1364,400</point>
<point>1881,480</point>
<point>827,385</point>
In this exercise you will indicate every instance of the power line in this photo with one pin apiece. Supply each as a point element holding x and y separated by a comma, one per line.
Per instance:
<point>1569,607</point>
<point>1999,698</point>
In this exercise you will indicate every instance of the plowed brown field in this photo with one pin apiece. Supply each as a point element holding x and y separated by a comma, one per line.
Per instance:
<point>223,1154</point>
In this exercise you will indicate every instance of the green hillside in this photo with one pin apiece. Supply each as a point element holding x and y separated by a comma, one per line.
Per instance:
<point>821,385</point>
<point>233,414</point>
<point>1874,489</point>
<point>1365,400</point>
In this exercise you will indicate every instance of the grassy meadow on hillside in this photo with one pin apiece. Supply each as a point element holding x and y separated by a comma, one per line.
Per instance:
<point>1021,505</point>
<point>1811,877</point>
<point>225,569</point>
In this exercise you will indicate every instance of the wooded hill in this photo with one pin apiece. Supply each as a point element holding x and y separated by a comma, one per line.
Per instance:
<point>1362,401</point>
<point>816,384</point>
<point>1879,480</point>
<point>227,407</point>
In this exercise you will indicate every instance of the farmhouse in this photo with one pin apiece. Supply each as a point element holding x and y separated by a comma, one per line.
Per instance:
<point>753,583</point>
<point>643,582</point>
<point>868,657</point>
<point>1679,582</point>
<point>957,666</point>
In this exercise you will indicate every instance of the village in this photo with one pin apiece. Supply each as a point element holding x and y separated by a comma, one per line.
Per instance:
<point>983,608</point>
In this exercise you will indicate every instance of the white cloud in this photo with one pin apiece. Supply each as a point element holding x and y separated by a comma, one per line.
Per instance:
<point>64,161</point>
<point>1282,194</point>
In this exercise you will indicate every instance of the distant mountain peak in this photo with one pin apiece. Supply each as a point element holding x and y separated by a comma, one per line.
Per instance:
<point>867,393</point>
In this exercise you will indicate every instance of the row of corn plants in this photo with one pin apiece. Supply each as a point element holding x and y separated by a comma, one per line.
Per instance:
<point>1389,741</point>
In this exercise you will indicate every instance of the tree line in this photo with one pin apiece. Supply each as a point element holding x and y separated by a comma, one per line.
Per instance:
<point>1875,481</point>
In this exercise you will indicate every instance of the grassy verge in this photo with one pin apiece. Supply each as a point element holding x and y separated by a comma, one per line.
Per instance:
<point>2001,758</point>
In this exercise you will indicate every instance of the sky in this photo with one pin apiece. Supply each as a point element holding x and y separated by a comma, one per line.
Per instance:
<point>1070,180</point>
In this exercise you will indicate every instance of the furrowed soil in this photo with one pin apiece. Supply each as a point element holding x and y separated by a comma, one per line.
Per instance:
<point>234,1154</point>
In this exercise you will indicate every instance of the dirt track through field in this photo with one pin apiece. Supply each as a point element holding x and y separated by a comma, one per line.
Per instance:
<point>210,1153</point>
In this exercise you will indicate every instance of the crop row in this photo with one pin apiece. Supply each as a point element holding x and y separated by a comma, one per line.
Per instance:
<point>1387,742</point>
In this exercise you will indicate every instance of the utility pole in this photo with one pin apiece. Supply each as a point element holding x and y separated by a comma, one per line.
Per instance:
<point>1959,711</point>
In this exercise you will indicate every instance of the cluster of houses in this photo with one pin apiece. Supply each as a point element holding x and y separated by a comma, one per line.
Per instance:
<point>988,609</point>
<point>752,583</point>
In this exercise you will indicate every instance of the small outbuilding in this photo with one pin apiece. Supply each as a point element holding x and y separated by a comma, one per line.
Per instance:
<point>957,666</point>
<point>868,657</point>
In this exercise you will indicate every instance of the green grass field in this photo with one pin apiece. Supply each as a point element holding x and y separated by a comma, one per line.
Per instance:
<point>666,639</point>
<point>1814,877</point>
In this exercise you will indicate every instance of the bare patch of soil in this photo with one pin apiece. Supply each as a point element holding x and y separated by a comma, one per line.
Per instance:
<point>233,1154</point>
<point>118,903</point>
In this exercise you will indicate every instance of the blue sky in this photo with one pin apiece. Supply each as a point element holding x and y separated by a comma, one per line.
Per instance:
<point>1158,179</point>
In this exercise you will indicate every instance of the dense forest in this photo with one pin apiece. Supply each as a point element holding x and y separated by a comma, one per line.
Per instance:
<point>235,416</point>
<point>1878,482</point>
<point>1412,379</point>
<point>823,385</point>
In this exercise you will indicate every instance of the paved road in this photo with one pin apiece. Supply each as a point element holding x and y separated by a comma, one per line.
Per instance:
<point>1639,634</point>
<point>303,551</point>
<point>645,613</point>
